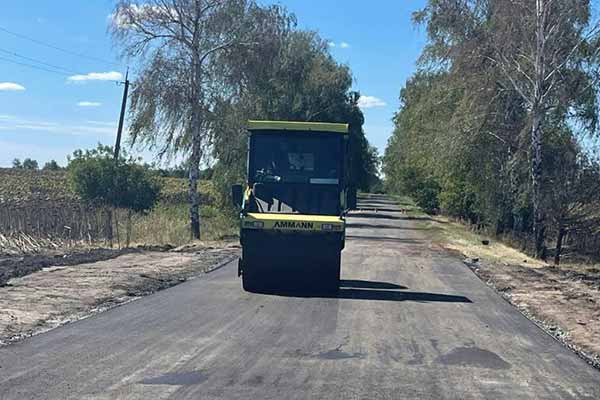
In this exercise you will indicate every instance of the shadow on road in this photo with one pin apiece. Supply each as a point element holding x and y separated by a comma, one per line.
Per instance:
<point>366,290</point>
<point>363,214</point>
<point>389,295</point>
<point>371,214</point>
<point>379,226</point>
<point>373,294</point>
<point>358,284</point>
<point>376,207</point>
<point>376,201</point>
<point>384,239</point>
<point>369,226</point>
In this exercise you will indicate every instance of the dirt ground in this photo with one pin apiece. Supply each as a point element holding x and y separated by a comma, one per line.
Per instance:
<point>48,291</point>
<point>12,266</point>
<point>562,302</point>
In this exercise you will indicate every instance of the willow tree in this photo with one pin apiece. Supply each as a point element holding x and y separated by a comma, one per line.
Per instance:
<point>289,75</point>
<point>177,44</point>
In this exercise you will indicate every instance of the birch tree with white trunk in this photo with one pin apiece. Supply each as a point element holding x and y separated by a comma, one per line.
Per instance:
<point>546,51</point>
<point>176,45</point>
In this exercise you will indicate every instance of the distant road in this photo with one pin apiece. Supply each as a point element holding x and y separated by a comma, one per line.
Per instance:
<point>411,322</point>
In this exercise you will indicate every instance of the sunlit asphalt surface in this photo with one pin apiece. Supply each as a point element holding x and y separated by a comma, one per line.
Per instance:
<point>410,322</point>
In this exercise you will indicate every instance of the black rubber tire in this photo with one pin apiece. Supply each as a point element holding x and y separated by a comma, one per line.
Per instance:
<point>332,283</point>
<point>250,283</point>
<point>258,281</point>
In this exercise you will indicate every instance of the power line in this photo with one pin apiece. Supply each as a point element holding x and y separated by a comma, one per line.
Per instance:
<point>54,71</point>
<point>21,36</point>
<point>52,68</point>
<point>12,53</point>
<point>34,66</point>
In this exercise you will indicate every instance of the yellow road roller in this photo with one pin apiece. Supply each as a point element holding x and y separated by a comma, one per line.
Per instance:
<point>293,206</point>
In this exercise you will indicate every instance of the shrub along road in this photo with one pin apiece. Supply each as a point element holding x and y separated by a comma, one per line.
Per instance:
<point>411,321</point>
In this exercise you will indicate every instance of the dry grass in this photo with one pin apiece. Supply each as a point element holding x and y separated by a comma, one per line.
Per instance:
<point>169,224</point>
<point>459,237</point>
<point>39,212</point>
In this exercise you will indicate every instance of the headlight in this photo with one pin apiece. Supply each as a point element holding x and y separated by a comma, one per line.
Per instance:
<point>326,227</point>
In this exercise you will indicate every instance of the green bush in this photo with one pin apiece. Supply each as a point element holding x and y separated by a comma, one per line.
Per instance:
<point>424,190</point>
<point>427,195</point>
<point>457,200</point>
<point>98,179</point>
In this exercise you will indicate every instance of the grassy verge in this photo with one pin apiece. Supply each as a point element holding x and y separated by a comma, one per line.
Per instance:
<point>459,237</point>
<point>40,213</point>
<point>169,224</point>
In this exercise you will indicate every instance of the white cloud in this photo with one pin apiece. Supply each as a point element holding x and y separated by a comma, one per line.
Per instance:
<point>97,76</point>
<point>11,86</point>
<point>101,123</point>
<point>11,124</point>
<point>89,104</point>
<point>341,45</point>
<point>370,102</point>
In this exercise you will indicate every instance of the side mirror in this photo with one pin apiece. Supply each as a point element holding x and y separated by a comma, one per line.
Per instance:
<point>237,195</point>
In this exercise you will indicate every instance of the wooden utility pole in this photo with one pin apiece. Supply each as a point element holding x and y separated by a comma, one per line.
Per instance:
<point>109,227</point>
<point>122,116</point>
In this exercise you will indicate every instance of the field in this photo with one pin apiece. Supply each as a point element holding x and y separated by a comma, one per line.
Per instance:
<point>39,211</point>
<point>23,187</point>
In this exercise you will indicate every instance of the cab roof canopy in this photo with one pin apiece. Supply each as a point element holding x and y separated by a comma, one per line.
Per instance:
<point>297,126</point>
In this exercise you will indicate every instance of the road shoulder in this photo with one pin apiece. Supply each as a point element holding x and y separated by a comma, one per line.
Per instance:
<point>561,301</point>
<point>58,294</point>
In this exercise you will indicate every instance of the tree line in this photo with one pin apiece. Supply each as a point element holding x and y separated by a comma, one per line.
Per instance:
<point>204,67</point>
<point>495,127</point>
<point>32,165</point>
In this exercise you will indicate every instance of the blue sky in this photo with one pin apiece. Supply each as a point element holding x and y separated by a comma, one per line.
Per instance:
<point>46,115</point>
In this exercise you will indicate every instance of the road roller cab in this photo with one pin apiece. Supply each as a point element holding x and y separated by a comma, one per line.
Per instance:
<point>293,205</point>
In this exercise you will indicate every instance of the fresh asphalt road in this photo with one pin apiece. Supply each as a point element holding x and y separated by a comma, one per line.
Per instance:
<point>411,322</point>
